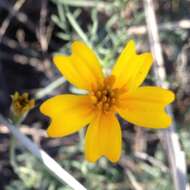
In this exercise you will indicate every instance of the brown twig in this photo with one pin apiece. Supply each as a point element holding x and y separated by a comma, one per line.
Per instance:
<point>136,185</point>
<point>53,167</point>
<point>6,22</point>
<point>19,15</point>
<point>44,35</point>
<point>145,157</point>
<point>26,130</point>
<point>176,156</point>
<point>141,30</point>
<point>41,33</point>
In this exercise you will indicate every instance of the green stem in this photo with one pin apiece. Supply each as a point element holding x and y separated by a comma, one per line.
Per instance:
<point>81,138</point>
<point>16,121</point>
<point>12,153</point>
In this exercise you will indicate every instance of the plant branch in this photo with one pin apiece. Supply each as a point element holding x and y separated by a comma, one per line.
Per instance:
<point>176,156</point>
<point>6,22</point>
<point>62,175</point>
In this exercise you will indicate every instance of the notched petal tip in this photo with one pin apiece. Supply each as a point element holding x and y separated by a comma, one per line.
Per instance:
<point>42,108</point>
<point>166,123</point>
<point>81,67</point>
<point>94,160</point>
<point>52,133</point>
<point>46,107</point>
<point>56,58</point>
<point>59,59</point>
<point>91,160</point>
<point>167,95</point>
<point>131,43</point>
<point>129,48</point>
<point>171,96</point>
<point>50,129</point>
<point>77,43</point>
<point>113,160</point>
<point>77,46</point>
<point>149,57</point>
<point>49,132</point>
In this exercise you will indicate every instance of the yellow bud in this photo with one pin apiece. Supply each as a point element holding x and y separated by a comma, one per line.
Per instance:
<point>21,104</point>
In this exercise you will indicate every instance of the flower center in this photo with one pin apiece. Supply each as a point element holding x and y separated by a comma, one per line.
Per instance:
<point>105,97</point>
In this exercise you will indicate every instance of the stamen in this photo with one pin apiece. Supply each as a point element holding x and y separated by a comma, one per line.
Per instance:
<point>106,106</point>
<point>112,93</point>
<point>94,99</point>
<point>99,94</point>
<point>104,92</point>
<point>99,105</point>
<point>104,97</point>
<point>108,99</point>
<point>113,100</point>
<point>109,81</point>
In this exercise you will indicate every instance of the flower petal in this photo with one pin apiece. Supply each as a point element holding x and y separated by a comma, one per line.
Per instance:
<point>145,107</point>
<point>131,69</point>
<point>103,138</point>
<point>81,68</point>
<point>68,114</point>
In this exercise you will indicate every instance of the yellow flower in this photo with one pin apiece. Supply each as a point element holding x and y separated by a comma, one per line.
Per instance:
<point>120,92</point>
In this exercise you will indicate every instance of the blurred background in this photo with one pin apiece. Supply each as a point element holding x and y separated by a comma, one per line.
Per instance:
<point>31,31</point>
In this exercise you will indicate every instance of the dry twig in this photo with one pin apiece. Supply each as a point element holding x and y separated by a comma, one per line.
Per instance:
<point>141,30</point>
<point>6,22</point>
<point>26,130</point>
<point>44,34</point>
<point>170,139</point>
<point>48,162</point>
<point>152,160</point>
<point>19,15</point>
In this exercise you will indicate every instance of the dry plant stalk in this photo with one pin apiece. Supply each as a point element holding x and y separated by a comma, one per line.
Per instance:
<point>17,6</point>
<point>176,156</point>
<point>54,168</point>
<point>142,29</point>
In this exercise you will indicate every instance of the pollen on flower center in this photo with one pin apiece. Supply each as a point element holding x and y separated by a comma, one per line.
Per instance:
<point>105,97</point>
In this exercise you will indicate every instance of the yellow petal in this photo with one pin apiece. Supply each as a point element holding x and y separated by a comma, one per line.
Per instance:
<point>103,138</point>
<point>81,68</point>
<point>143,65</point>
<point>124,64</point>
<point>145,107</point>
<point>68,114</point>
<point>131,69</point>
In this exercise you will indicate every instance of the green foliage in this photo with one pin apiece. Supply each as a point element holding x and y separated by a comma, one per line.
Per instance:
<point>82,20</point>
<point>102,25</point>
<point>103,175</point>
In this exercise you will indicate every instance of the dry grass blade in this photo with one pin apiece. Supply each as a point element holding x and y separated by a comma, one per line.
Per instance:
<point>170,139</point>
<point>6,22</point>
<point>49,163</point>
<point>140,30</point>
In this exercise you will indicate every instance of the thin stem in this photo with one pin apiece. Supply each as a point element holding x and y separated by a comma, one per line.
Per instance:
<point>12,152</point>
<point>176,156</point>
<point>48,89</point>
<point>81,138</point>
<point>55,169</point>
